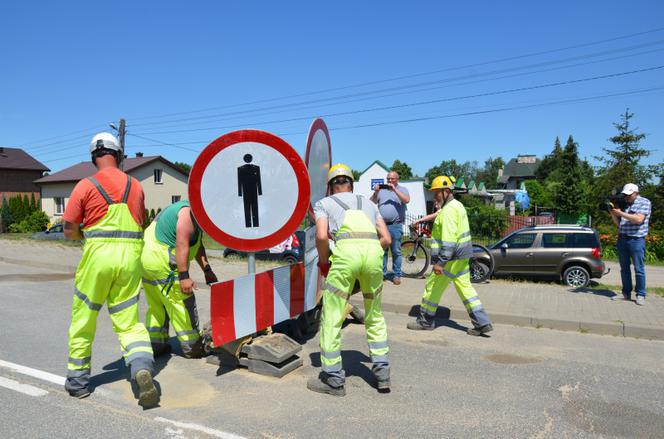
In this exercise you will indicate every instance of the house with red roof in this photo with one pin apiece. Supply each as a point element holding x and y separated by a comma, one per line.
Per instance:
<point>163,183</point>
<point>18,171</point>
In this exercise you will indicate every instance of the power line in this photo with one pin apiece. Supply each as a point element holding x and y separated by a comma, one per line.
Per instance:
<point>414,88</point>
<point>397,78</point>
<point>460,114</point>
<point>428,102</point>
<point>163,143</point>
<point>24,144</point>
<point>259,112</point>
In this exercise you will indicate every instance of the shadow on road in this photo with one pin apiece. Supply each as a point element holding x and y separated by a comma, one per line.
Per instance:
<point>442,318</point>
<point>596,291</point>
<point>353,362</point>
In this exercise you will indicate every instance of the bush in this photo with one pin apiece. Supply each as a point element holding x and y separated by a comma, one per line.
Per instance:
<point>35,222</point>
<point>485,221</point>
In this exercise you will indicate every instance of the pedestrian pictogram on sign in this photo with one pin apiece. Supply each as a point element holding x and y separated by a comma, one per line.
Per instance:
<point>249,190</point>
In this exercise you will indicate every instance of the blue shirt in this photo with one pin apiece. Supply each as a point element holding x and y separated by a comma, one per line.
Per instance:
<point>390,206</point>
<point>640,205</point>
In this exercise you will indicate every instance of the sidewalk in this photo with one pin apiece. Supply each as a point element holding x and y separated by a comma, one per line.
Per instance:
<point>540,305</point>
<point>521,303</point>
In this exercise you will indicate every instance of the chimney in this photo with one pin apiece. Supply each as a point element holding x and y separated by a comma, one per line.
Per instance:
<point>139,154</point>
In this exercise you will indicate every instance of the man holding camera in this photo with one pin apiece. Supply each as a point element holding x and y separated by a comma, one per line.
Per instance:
<point>632,224</point>
<point>391,199</point>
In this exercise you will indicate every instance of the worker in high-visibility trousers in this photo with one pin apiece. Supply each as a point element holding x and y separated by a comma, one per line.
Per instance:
<point>171,242</point>
<point>110,206</point>
<point>450,251</point>
<point>360,236</point>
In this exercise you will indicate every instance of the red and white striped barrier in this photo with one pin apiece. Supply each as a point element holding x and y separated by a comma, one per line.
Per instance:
<point>254,302</point>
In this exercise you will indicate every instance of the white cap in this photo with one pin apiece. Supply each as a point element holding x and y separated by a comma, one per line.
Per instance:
<point>630,188</point>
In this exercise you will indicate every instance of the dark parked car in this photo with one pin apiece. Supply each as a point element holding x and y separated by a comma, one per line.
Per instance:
<point>54,233</point>
<point>572,253</point>
<point>289,251</point>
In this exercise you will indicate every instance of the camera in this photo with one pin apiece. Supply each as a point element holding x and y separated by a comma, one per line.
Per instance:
<point>613,202</point>
<point>382,186</point>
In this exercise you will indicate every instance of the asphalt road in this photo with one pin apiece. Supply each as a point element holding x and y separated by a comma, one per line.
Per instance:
<point>519,383</point>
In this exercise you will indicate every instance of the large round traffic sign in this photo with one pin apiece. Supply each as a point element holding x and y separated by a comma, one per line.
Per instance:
<point>318,159</point>
<point>249,190</point>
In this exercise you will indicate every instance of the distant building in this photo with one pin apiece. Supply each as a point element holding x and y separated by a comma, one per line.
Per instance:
<point>376,173</point>
<point>18,171</point>
<point>517,171</point>
<point>163,183</point>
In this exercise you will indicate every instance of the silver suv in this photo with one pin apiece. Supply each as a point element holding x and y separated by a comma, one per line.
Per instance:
<point>572,253</point>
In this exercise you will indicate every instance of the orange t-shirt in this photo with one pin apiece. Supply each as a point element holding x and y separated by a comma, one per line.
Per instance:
<point>86,205</point>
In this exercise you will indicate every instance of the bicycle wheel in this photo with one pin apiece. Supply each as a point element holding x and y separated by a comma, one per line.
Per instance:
<point>415,260</point>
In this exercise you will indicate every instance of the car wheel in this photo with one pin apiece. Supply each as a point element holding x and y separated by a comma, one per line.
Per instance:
<point>576,276</point>
<point>479,271</point>
<point>290,259</point>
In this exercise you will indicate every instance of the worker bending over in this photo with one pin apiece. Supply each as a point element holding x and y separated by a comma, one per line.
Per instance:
<point>110,206</point>
<point>450,251</point>
<point>171,242</point>
<point>360,236</point>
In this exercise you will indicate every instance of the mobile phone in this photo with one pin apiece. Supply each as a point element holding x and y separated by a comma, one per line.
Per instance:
<point>384,186</point>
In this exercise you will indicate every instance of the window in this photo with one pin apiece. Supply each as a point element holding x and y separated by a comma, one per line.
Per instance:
<point>521,240</point>
<point>583,240</point>
<point>157,176</point>
<point>555,240</point>
<point>175,198</point>
<point>59,205</point>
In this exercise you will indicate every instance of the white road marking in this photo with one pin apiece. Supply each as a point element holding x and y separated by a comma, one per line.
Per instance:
<point>35,373</point>
<point>44,376</point>
<point>201,428</point>
<point>23,388</point>
<point>56,379</point>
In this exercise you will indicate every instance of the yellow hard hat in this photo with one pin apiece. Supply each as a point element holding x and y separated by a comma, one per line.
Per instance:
<point>339,170</point>
<point>442,182</point>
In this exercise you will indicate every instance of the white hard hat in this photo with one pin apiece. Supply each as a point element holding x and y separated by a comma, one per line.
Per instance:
<point>105,140</point>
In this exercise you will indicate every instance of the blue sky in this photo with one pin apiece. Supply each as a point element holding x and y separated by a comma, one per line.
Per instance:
<point>183,74</point>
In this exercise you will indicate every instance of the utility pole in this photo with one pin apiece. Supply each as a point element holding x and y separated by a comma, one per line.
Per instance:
<point>121,136</point>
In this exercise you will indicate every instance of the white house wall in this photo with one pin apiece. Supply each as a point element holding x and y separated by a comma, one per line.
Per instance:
<point>159,195</point>
<point>417,205</point>
<point>48,194</point>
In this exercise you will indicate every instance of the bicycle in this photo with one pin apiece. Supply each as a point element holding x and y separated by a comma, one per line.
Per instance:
<point>417,256</point>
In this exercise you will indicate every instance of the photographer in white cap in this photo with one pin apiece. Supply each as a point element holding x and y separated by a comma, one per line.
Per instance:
<point>632,225</point>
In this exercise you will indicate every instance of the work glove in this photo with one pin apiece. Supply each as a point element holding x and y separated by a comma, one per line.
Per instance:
<point>210,277</point>
<point>324,268</point>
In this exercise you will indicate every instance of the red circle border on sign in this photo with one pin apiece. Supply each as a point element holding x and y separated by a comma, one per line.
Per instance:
<point>318,124</point>
<point>230,139</point>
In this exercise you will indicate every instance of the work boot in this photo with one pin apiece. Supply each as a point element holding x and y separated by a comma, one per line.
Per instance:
<point>481,330</point>
<point>80,393</point>
<point>147,392</point>
<point>418,325</point>
<point>317,385</point>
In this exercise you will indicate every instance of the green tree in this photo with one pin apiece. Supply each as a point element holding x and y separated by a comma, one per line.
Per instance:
<point>550,162</point>
<point>622,164</point>
<point>540,198</point>
<point>27,207</point>
<point>5,215</point>
<point>33,203</point>
<point>467,170</point>
<point>571,199</point>
<point>186,167</point>
<point>356,174</point>
<point>489,174</point>
<point>402,168</point>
